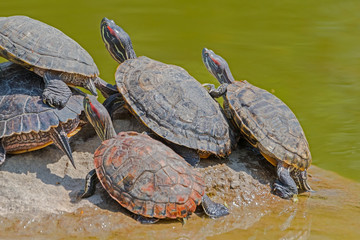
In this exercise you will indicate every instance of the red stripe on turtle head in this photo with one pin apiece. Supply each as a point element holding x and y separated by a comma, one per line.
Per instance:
<point>215,61</point>
<point>94,109</point>
<point>112,32</point>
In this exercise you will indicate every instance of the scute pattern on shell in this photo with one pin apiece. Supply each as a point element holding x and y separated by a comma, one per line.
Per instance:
<point>173,105</point>
<point>27,41</point>
<point>147,177</point>
<point>21,107</point>
<point>271,122</point>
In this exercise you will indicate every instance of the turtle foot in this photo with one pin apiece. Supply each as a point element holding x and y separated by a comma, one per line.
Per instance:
<point>145,220</point>
<point>56,92</point>
<point>213,209</point>
<point>282,191</point>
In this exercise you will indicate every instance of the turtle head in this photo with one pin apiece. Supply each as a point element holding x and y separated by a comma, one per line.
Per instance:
<point>217,66</point>
<point>99,118</point>
<point>117,41</point>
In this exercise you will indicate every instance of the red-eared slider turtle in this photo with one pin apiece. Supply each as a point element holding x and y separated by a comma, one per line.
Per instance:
<point>267,123</point>
<point>26,123</point>
<point>143,175</point>
<point>166,99</point>
<point>49,53</point>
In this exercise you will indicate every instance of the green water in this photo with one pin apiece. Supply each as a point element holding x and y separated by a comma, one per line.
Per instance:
<point>307,52</point>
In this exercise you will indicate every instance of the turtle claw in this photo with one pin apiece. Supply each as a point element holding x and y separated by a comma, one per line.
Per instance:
<point>48,102</point>
<point>183,220</point>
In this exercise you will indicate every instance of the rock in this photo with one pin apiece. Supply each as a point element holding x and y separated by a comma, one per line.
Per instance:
<point>39,198</point>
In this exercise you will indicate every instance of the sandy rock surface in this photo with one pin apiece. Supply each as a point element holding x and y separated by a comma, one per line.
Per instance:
<point>39,197</point>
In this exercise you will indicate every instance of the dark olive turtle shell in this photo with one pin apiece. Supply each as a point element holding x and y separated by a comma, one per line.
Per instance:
<point>21,107</point>
<point>147,177</point>
<point>269,124</point>
<point>173,105</point>
<point>32,43</point>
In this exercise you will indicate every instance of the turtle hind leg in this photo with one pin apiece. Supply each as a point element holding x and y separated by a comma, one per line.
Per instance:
<point>144,220</point>
<point>213,209</point>
<point>90,184</point>
<point>284,186</point>
<point>2,153</point>
<point>56,92</point>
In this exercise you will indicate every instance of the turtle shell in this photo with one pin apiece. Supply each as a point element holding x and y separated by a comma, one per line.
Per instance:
<point>269,124</point>
<point>147,177</point>
<point>32,43</point>
<point>173,105</point>
<point>21,107</point>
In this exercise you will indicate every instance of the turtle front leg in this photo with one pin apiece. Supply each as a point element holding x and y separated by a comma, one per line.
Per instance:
<point>91,180</point>
<point>61,140</point>
<point>216,92</point>
<point>115,105</point>
<point>56,92</point>
<point>284,186</point>
<point>105,88</point>
<point>2,153</point>
<point>213,209</point>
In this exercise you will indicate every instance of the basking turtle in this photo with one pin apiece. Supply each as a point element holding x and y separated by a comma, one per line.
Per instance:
<point>267,123</point>
<point>26,123</point>
<point>166,99</point>
<point>143,175</point>
<point>49,53</point>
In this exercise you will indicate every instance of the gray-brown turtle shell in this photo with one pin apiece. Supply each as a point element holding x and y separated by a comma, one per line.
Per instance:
<point>32,43</point>
<point>264,117</point>
<point>21,107</point>
<point>173,105</point>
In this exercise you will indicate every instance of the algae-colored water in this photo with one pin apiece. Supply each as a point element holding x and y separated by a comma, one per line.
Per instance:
<point>306,52</point>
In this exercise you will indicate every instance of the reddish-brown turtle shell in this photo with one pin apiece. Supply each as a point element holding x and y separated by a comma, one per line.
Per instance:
<point>147,177</point>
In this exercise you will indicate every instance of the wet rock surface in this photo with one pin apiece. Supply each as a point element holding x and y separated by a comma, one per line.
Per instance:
<point>39,200</point>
